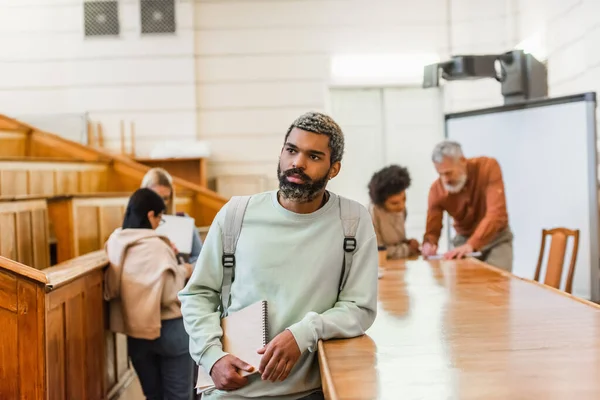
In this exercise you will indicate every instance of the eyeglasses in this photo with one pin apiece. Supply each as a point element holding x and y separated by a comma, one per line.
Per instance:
<point>162,221</point>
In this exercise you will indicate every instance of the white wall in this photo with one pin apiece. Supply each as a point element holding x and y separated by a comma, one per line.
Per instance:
<point>479,27</point>
<point>47,66</point>
<point>261,63</point>
<point>236,73</point>
<point>570,32</point>
<point>389,126</point>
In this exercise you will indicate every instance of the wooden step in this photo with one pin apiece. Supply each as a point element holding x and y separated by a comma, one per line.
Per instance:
<point>13,158</point>
<point>50,178</point>
<point>13,143</point>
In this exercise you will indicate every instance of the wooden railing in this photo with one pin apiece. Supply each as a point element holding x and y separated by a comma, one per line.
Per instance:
<point>24,233</point>
<point>23,321</point>
<point>124,174</point>
<point>27,177</point>
<point>83,223</point>
<point>55,344</point>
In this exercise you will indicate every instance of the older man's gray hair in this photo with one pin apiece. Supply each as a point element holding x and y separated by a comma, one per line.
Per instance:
<point>447,149</point>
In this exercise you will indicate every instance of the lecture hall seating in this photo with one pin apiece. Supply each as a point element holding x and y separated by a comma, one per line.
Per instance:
<point>63,196</point>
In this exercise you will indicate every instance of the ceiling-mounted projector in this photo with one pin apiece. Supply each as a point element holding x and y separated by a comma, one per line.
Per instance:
<point>521,75</point>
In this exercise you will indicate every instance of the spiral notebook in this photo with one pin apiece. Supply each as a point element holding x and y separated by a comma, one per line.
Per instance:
<point>244,332</point>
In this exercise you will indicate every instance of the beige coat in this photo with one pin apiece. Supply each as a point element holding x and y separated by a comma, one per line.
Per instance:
<point>390,231</point>
<point>141,282</point>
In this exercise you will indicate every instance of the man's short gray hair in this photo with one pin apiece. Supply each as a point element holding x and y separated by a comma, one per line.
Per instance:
<point>447,148</point>
<point>322,124</point>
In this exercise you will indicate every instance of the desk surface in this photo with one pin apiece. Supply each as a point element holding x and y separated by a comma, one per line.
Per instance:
<point>463,330</point>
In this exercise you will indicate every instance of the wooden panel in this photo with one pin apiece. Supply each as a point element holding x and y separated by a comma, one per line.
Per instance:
<point>75,347</point>
<point>9,355</point>
<point>41,250</point>
<point>42,382</point>
<point>66,182</point>
<point>69,271</point>
<point>8,236</point>
<point>41,183</point>
<point>464,330</point>
<point>111,218</point>
<point>19,239</point>
<point>56,353</point>
<point>12,147</point>
<point>189,169</point>
<point>8,292</point>
<point>87,227</point>
<point>76,332</point>
<point>92,181</point>
<point>61,214</point>
<point>48,145</point>
<point>122,356</point>
<point>46,178</point>
<point>31,359</point>
<point>94,329</point>
<point>12,144</point>
<point>126,175</point>
<point>24,238</point>
<point>110,351</point>
<point>184,204</point>
<point>13,183</point>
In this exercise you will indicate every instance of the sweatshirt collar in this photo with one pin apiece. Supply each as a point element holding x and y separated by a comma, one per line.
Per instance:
<point>333,199</point>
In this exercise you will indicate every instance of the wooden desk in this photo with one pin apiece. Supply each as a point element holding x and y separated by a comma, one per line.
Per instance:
<point>192,169</point>
<point>463,330</point>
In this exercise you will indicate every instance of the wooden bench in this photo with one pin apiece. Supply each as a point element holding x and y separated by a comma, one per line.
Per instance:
<point>24,234</point>
<point>12,142</point>
<point>54,343</point>
<point>191,169</point>
<point>83,223</point>
<point>122,173</point>
<point>46,177</point>
<point>41,231</point>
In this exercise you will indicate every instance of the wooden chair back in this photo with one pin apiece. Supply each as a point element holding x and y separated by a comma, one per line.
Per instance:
<point>556,257</point>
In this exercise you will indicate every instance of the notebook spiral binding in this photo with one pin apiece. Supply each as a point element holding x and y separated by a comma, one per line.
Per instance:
<point>265,325</point>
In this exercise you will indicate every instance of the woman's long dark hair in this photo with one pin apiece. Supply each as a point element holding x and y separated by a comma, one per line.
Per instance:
<point>140,203</point>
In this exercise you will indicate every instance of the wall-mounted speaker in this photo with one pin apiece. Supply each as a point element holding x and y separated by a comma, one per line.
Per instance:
<point>158,16</point>
<point>101,18</point>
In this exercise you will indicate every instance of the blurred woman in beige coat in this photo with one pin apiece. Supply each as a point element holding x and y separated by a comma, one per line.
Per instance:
<point>141,283</point>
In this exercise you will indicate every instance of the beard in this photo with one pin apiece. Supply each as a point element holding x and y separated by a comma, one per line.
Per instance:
<point>458,186</point>
<point>300,192</point>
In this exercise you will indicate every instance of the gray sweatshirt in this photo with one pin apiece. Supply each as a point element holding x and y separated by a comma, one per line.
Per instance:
<point>294,262</point>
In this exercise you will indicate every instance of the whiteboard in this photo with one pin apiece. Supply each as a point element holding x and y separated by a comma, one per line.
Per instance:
<point>547,152</point>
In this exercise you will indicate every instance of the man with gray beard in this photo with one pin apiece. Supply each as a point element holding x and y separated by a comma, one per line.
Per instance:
<point>472,192</point>
<point>292,251</point>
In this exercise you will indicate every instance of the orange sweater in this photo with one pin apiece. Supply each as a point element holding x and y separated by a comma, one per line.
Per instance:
<point>478,210</point>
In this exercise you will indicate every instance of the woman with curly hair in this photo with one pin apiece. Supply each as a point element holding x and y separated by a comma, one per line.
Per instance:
<point>387,191</point>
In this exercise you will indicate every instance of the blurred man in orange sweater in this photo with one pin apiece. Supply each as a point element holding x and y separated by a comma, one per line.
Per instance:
<point>472,192</point>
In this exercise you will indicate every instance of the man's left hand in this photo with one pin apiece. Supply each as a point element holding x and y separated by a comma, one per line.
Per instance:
<point>279,357</point>
<point>459,252</point>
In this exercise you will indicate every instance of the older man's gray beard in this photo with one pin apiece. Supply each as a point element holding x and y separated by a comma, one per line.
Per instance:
<point>458,186</point>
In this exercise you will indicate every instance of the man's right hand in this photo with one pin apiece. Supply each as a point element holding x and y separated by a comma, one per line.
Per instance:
<point>225,373</point>
<point>429,249</point>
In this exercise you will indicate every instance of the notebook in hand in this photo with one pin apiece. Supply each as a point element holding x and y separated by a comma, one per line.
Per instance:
<point>179,230</point>
<point>244,332</point>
